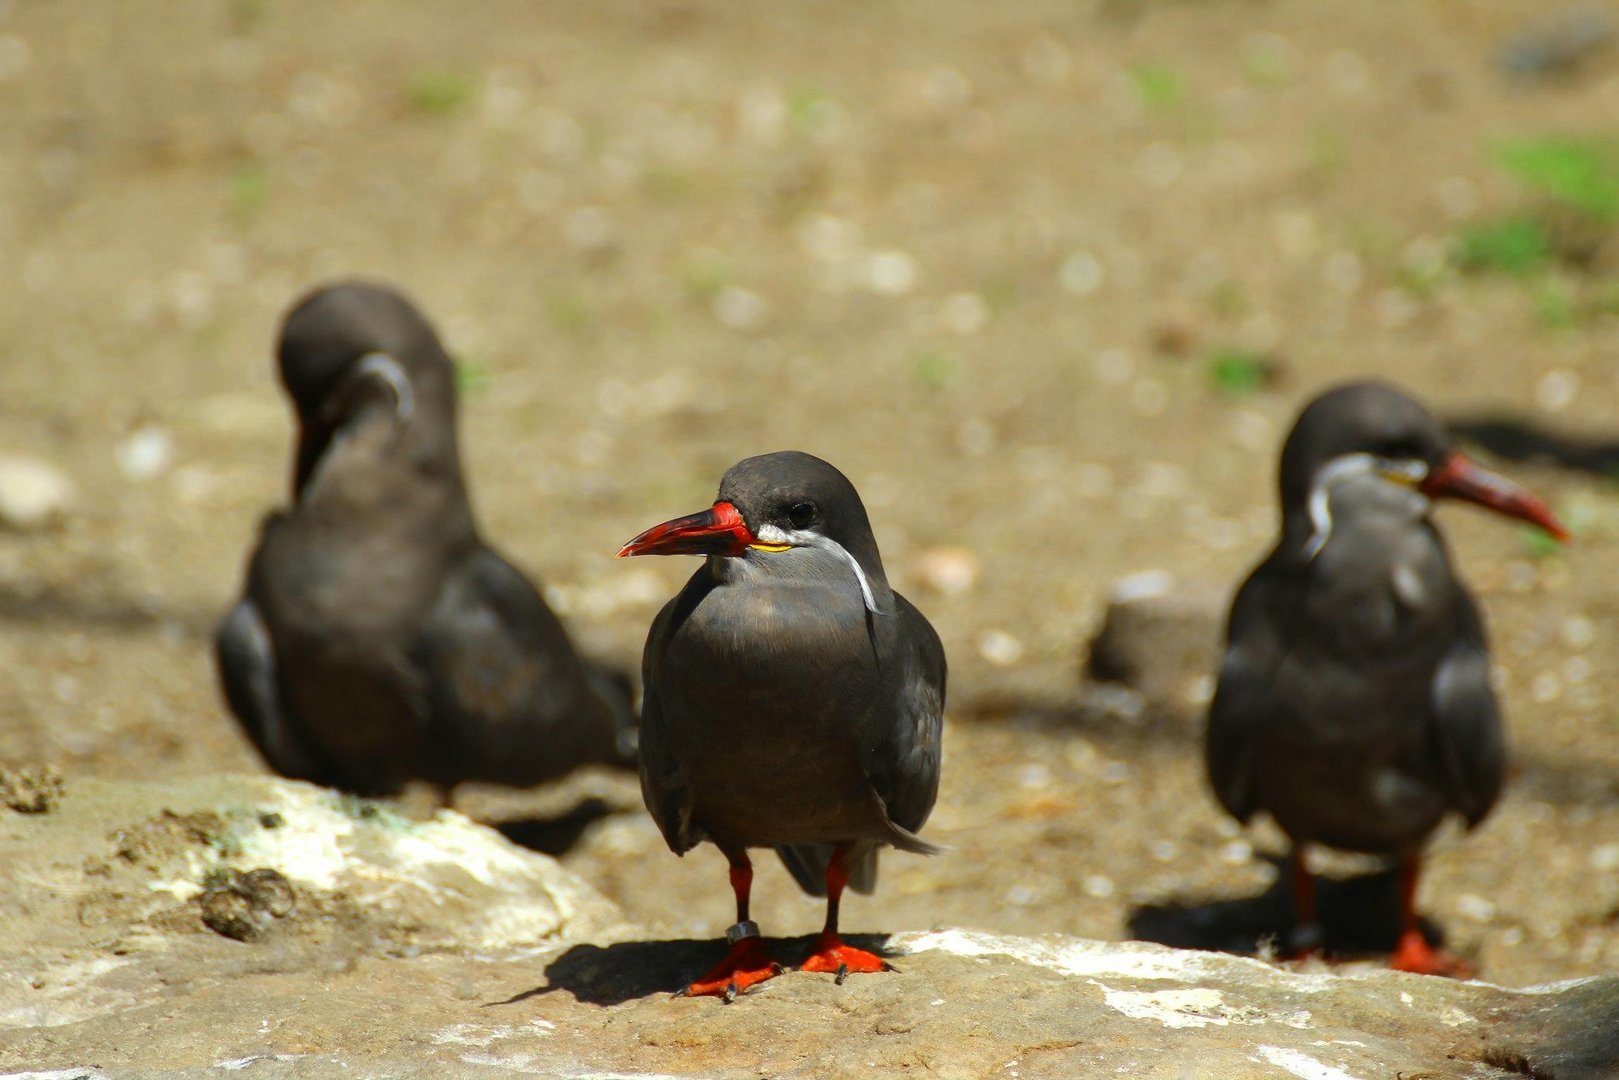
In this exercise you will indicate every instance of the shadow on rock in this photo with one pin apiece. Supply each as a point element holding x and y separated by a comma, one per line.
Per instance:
<point>1359,917</point>
<point>53,606</point>
<point>1574,1038</point>
<point>1106,713</point>
<point>556,835</point>
<point>614,974</point>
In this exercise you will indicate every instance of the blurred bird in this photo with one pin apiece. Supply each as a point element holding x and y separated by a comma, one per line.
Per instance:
<point>792,700</point>
<point>1354,701</point>
<point>379,640</point>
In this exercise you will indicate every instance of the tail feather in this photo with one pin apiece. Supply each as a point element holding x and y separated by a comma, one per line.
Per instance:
<point>906,840</point>
<point>807,863</point>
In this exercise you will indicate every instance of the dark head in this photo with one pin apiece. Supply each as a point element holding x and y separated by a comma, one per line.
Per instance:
<point>1377,427</point>
<point>770,505</point>
<point>356,350</point>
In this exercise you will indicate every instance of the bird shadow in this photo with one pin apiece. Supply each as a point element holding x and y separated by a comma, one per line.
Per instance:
<point>556,835</point>
<point>1519,440</point>
<point>627,970</point>
<point>1359,916</point>
<point>53,606</point>
<point>1104,713</point>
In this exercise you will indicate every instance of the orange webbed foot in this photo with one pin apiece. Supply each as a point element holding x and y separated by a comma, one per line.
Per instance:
<point>746,965</point>
<point>833,956</point>
<point>1415,955</point>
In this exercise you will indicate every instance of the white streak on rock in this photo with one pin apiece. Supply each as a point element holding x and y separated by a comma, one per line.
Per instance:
<point>1112,959</point>
<point>1302,1065</point>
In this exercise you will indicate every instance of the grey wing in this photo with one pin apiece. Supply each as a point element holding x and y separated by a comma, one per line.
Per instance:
<point>1243,701</point>
<point>508,692</point>
<point>245,657</point>
<point>1467,735</point>
<point>903,750</point>
<point>664,785</point>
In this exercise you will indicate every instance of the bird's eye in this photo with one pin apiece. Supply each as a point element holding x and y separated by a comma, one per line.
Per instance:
<point>801,514</point>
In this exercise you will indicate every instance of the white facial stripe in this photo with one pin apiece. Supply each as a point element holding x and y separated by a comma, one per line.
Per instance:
<point>384,367</point>
<point>1320,503</point>
<point>1410,471</point>
<point>770,534</point>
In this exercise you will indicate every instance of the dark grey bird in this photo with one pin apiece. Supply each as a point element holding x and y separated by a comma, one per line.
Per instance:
<point>1354,701</point>
<point>379,639</point>
<point>792,699</point>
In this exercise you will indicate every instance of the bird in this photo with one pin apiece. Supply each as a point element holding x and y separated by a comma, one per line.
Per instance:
<point>1353,702</point>
<point>378,639</point>
<point>791,700</point>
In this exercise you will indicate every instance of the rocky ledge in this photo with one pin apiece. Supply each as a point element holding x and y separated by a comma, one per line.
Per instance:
<point>242,925</point>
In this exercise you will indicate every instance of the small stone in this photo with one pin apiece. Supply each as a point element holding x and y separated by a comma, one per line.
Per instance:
<point>1034,776</point>
<point>1475,907</point>
<point>145,453</point>
<point>1578,632</point>
<point>1546,688</point>
<point>1021,895</point>
<point>1081,273</point>
<point>890,273</point>
<point>740,309</point>
<point>1160,636</point>
<point>1116,772</point>
<point>950,571</point>
<point>999,647</point>
<point>33,494</point>
<point>243,905</point>
<point>269,890</point>
<point>1557,389</point>
<point>1237,853</point>
<point>230,914</point>
<point>31,789</point>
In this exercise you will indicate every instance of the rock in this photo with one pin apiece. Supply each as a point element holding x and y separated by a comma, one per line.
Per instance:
<point>1162,638</point>
<point>966,1004</point>
<point>1557,44</point>
<point>33,494</point>
<point>31,789</point>
<point>115,892</point>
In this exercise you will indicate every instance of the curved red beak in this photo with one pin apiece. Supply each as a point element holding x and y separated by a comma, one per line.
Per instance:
<point>1460,477</point>
<point>719,530</point>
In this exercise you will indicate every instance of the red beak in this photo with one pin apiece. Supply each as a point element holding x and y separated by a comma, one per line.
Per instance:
<point>718,530</point>
<point>1462,478</point>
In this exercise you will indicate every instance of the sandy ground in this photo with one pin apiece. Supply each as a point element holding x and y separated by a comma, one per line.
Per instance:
<point>979,256</point>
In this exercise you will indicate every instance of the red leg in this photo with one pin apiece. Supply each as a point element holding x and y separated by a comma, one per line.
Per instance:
<point>746,964</point>
<point>830,953</point>
<point>1413,953</point>
<point>1305,941</point>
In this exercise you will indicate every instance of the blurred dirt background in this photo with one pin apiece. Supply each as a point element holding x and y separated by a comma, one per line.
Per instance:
<point>1047,280</point>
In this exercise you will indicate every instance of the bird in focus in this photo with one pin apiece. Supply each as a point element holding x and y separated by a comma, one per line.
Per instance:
<point>792,700</point>
<point>1354,702</point>
<point>378,639</point>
